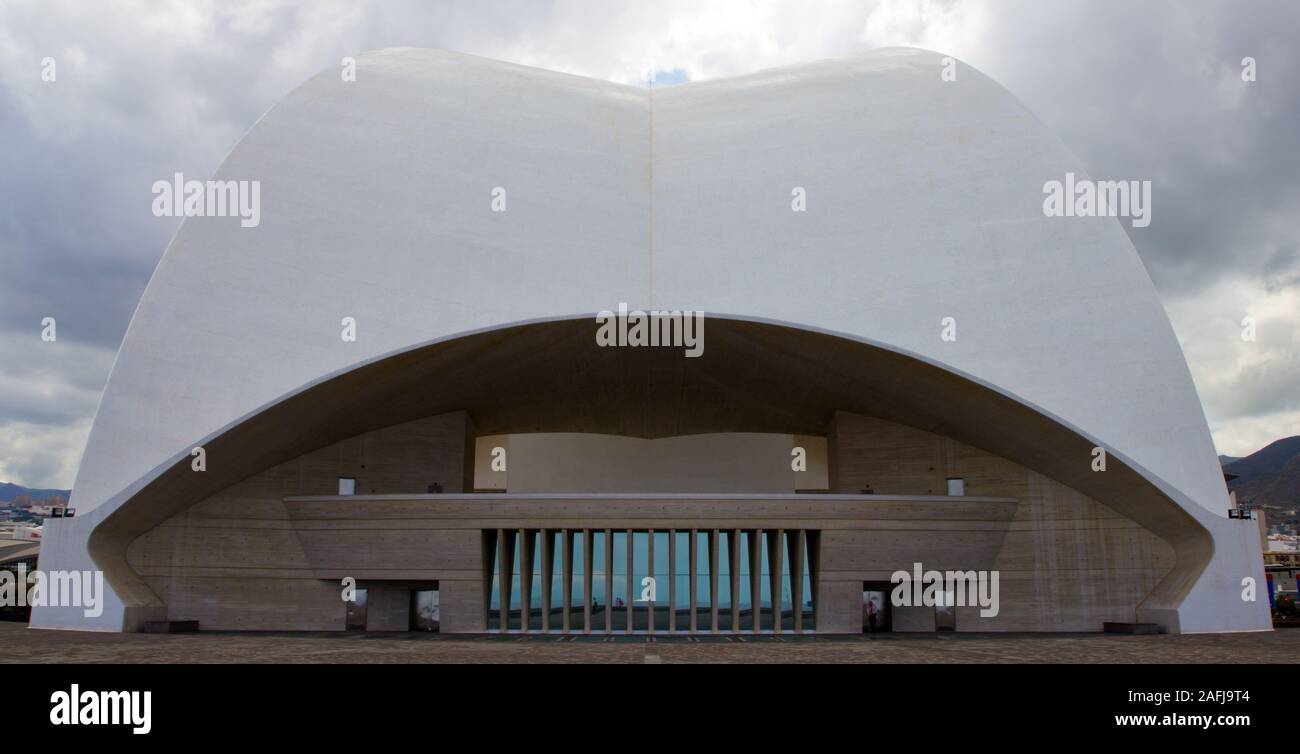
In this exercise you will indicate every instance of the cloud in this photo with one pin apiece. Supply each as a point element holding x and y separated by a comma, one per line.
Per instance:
<point>48,395</point>
<point>146,89</point>
<point>1250,387</point>
<point>41,456</point>
<point>1155,92</point>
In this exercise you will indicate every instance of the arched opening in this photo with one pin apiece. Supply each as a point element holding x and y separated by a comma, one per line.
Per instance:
<point>897,428</point>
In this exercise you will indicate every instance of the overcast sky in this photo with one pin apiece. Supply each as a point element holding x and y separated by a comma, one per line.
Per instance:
<point>1148,90</point>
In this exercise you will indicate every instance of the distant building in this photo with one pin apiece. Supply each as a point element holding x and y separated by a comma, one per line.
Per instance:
<point>19,554</point>
<point>1289,559</point>
<point>1282,543</point>
<point>1281,579</point>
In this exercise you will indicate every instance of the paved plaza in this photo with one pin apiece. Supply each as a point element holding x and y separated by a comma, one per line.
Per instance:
<point>20,644</point>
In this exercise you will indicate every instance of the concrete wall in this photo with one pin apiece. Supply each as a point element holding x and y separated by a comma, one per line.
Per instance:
<point>722,462</point>
<point>1067,562</point>
<point>389,608</point>
<point>234,560</point>
<point>246,559</point>
<point>381,537</point>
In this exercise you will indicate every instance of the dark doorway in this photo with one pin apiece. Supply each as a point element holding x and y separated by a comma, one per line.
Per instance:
<point>876,593</point>
<point>945,612</point>
<point>425,611</point>
<point>356,618</point>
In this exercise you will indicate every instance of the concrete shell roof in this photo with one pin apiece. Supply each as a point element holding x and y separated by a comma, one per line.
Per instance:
<point>924,202</point>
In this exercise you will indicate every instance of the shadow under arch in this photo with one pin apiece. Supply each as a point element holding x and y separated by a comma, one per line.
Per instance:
<point>550,376</point>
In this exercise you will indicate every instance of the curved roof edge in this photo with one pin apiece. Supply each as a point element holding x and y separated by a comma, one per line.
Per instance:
<point>122,446</point>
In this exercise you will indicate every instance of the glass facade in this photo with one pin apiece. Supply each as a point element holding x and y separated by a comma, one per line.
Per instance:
<point>607,581</point>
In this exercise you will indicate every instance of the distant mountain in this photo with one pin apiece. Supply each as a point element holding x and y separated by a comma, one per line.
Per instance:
<point>1269,476</point>
<point>1225,460</point>
<point>9,491</point>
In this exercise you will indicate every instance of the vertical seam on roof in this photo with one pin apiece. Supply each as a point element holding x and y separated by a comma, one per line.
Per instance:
<point>650,181</point>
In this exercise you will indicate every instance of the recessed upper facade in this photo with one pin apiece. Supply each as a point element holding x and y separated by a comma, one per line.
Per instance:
<point>923,202</point>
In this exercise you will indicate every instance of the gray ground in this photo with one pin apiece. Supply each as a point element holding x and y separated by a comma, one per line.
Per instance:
<point>20,644</point>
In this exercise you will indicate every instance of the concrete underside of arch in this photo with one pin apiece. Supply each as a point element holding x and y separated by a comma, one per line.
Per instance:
<point>259,541</point>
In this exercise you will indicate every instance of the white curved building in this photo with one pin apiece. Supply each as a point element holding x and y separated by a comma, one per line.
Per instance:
<point>381,201</point>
